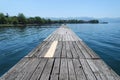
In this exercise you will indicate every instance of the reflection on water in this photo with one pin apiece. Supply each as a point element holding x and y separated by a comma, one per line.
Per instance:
<point>16,42</point>
<point>104,39</point>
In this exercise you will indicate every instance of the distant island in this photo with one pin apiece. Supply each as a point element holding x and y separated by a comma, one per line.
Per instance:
<point>22,20</point>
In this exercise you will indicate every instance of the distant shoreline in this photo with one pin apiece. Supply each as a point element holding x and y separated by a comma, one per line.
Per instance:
<point>22,25</point>
<point>22,20</point>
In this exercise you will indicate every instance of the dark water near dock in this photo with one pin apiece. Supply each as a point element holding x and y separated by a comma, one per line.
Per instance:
<point>16,42</point>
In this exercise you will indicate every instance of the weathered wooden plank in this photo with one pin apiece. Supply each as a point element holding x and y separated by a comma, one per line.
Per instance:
<point>52,37</point>
<point>40,50</point>
<point>104,69</point>
<point>69,55</point>
<point>88,72</point>
<point>115,75</point>
<point>79,52</point>
<point>63,70</point>
<point>83,50</point>
<point>79,70</point>
<point>60,38</point>
<point>46,73</point>
<point>64,53</point>
<point>55,71</point>
<point>22,71</point>
<point>72,75</point>
<point>58,50</point>
<point>95,70</point>
<point>73,51</point>
<point>29,69</point>
<point>38,71</point>
<point>44,50</point>
<point>51,51</point>
<point>55,37</point>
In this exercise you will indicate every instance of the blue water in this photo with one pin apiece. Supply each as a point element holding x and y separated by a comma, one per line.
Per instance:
<point>16,42</point>
<point>104,39</point>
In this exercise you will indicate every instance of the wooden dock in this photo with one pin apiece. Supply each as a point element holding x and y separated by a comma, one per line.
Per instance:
<point>61,56</point>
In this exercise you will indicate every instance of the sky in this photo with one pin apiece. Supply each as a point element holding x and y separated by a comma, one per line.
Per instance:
<point>62,8</point>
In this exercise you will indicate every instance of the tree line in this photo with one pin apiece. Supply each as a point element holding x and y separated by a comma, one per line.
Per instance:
<point>22,19</point>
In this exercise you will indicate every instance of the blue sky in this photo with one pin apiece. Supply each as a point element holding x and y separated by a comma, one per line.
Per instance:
<point>62,8</point>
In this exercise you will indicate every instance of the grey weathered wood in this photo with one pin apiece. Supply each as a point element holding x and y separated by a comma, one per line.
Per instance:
<point>58,50</point>
<point>88,72</point>
<point>46,73</point>
<point>29,70</point>
<point>79,70</point>
<point>69,54</point>
<point>45,49</point>
<point>106,71</point>
<point>73,51</point>
<point>79,52</point>
<point>55,71</point>
<point>64,53</point>
<point>38,71</point>
<point>71,70</point>
<point>84,52</point>
<point>63,70</point>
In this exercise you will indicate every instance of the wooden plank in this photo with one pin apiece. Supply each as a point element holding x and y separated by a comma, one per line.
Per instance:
<point>55,71</point>
<point>73,51</point>
<point>22,70</point>
<point>60,39</point>
<point>46,73</point>
<point>38,72</point>
<point>83,50</point>
<point>63,70</point>
<point>58,50</point>
<point>115,75</point>
<point>69,55</point>
<point>95,70</point>
<point>79,52</point>
<point>44,50</point>
<point>64,53</point>
<point>40,50</point>
<point>104,69</point>
<point>72,75</point>
<point>29,69</point>
<point>53,37</point>
<point>88,72</point>
<point>79,70</point>
<point>51,50</point>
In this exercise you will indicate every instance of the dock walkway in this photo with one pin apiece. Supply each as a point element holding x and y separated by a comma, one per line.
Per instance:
<point>61,56</point>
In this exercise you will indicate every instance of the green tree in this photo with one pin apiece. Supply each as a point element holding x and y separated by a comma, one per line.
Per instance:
<point>3,19</point>
<point>21,18</point>
<point>93,21</point>
<point>30,20</point>
<point>14,20</point>
<point>38,20</point>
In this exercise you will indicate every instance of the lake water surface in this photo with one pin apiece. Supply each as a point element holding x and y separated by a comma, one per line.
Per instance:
<point>16,42</point>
